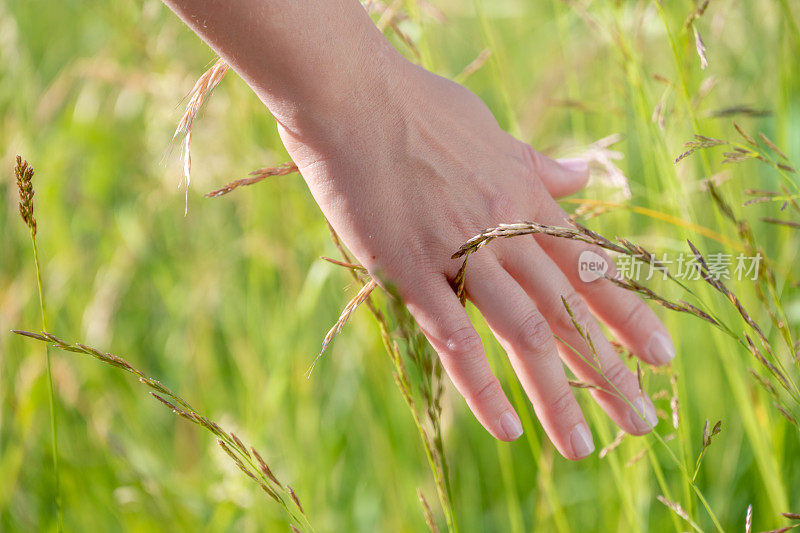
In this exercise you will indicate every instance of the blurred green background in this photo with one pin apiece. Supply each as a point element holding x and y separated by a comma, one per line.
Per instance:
<point>229,305</point>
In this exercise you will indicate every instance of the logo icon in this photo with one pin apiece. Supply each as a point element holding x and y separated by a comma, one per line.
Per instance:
<point>591,266</point>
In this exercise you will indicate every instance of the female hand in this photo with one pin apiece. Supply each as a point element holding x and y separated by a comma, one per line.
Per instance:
<point>407,166</point>
<point>406,180</point>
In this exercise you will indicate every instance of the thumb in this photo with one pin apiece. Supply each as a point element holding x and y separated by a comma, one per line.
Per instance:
<point>561,177</point>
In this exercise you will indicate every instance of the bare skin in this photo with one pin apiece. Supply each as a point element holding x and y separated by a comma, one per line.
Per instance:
<point>407,166</point>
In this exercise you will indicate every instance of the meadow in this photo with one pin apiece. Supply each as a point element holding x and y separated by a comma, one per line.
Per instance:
<point>229,304</point>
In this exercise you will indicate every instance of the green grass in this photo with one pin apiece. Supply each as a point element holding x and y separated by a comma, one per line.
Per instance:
<point>228,306</point>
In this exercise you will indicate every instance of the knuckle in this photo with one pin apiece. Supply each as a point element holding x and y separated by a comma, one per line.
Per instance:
<point>501,206</point>
<point>537,161</point>
<point>418,249</point>
<point>489,392</point>
<point>464,343</point>
<point>410,259</point>
<point>533,168</point>
<point>631,317</point>
<point>617,373</point>
<point>563,403</point>
<point>533,334</point>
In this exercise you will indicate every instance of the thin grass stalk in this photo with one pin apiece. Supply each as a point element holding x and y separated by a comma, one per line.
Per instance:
<point>684,91</point>
<point>249,462</point>
<point>440,476</point>
<point>513,507</point>
<point>661,480</point>
<point>521,403</point>
<point>24,176</point>
<point>431,388</point>
<point>50,387</point>
<point>636,78</point>
<point>621,482</point>
<point>616,392</point>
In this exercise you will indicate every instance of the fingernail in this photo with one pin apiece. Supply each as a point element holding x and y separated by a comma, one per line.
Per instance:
<point>574,164</point>
<point>511,425</point>
<point>650,419</point>
<point>660,348</point>
<point>581,440</point>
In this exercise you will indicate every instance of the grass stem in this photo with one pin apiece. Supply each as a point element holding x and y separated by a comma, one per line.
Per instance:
<point>50,388</point>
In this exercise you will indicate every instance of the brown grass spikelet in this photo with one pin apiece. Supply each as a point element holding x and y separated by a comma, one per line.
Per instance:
<point>708,276</point>
<point>255,176</point>
<point>427,513</point>
<point>773,146</point>
<point>744,134</point>
<point>639,379</point>
<point>677,509</point>
<point>636,458</point>
<point>24,174</point>
<point>696,14</point>
<point>764,383</point>
<point>708,435</point>
<point>662,394</point>
<point>474,65</point>
<point>352,266</point>
<point>239,443</point>
<point>761,196</point>
<point>430,388</point>
<point>647,293</point>
<point>767,364</point>
<point>296,500</point>
<point>459,281</point>
<point>782,410</point>
<point>235,458</point>
<point>175,409</point>
<point>613,445</point>
<point>262,465</point>
<point>700,46</point>
<point>779,222</point>
<point>201,90</point>
<point>674,402</point>
<point>357,300</point>
<point>700,142</point>
<point>575,384</point>
<point>231,444</point>
<point>578,233</point>
<point>741,109</point>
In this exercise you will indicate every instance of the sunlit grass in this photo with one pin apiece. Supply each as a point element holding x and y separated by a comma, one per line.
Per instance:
<point>229,306</point>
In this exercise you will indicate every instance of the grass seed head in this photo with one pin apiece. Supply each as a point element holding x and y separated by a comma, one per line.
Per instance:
<point>24,173</point>
<point>256,176</point>
<point>427,513</point>
<point>613,445</point>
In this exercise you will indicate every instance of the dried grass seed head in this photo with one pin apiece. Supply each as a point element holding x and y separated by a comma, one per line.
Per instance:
<point>24,174</point>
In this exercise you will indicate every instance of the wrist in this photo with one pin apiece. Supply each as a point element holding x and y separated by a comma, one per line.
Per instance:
<point>356,86</point>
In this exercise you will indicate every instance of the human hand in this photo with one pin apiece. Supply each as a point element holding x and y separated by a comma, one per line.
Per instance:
<point>418,165</point>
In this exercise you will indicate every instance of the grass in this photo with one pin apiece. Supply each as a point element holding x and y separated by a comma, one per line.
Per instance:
<point>230,304</point>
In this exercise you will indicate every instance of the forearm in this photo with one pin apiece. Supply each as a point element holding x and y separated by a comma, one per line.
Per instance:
<point>309,61</point>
